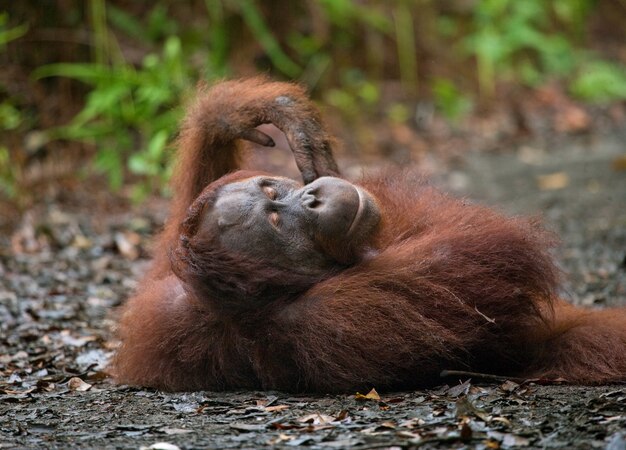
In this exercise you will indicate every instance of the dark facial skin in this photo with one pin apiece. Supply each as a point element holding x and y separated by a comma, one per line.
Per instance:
<point>311,229</point>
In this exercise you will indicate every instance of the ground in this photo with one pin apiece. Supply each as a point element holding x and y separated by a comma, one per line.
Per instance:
<point>66,268</point>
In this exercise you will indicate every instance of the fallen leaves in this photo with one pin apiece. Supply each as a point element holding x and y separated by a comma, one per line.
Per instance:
<point>459,389</point>
<point>58,285</point>
<point>462,413</point>
<point>466,408</point>
<point>370,396</point>
<point>490,417</point>
<point>316,419</point>
<point>56,290</point>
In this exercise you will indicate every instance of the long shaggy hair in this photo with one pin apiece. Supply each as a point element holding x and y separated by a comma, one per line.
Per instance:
<point>447,284</point>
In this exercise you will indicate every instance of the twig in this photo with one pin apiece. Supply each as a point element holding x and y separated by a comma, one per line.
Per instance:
<point>484,376</point>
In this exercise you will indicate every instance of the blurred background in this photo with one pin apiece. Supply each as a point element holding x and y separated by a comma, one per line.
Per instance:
<point>91,92</point>
<point>518,104</point>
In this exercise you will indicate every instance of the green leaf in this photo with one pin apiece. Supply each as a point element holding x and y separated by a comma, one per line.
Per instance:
<point>156,146</point>
<point>87,72</point>
<point>138,163</point>
<point>600,82</point>
<point>11,34</point>
<point>10,117</point>
<point>110,162</point>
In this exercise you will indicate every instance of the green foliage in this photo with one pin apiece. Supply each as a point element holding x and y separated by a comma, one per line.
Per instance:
<point>514,39</point>
<point>405,39</point>
<point>320,55</point>
<point>158,25</point>
<point>9,34</point>
<point>132,113</point>
<point>8,175</point>
<point>348,13</point>
<point>600,82</point>
<point>342,49</point>
<point>129,109</point>
<point>356,95</point>
<point>10,116</point>
<point>253,18</point>
<point>451,102</point>
<point>398,113</point>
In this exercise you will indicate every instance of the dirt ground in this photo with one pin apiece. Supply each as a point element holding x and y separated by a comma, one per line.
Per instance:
<point>64,270</point>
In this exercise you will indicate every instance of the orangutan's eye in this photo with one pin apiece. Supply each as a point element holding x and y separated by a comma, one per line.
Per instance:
<point>270,192</point>
<point>274,219</point>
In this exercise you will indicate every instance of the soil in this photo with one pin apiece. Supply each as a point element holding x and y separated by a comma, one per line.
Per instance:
<point>65,269</point>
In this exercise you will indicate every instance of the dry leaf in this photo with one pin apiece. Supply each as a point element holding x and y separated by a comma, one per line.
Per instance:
<point>553,181</point>
<point>459,389</point>
<point>464,407</point>
<point>531,155</point>
<point>509,386</point>
<point>283,426</point>
<point>503,420</point>
<point>408,435</point>
<point>276,408</point>
<point>78,385</point>
<point>128,244</point>
<point>412,423</point>
<point>263,402</point>
<point>619,163</point>
<point>81,241</point>
<point>316,419</point>
<point>466,430</point>
<point>175,431</point>
<point>282,437</point>
<point>16,392</point>
<point>72,341</point>
<point>371,395</point>
<point>25,239</point>
<point>572,119</point>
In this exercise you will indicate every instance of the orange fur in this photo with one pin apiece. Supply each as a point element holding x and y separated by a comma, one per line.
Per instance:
<point>450,285</point>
